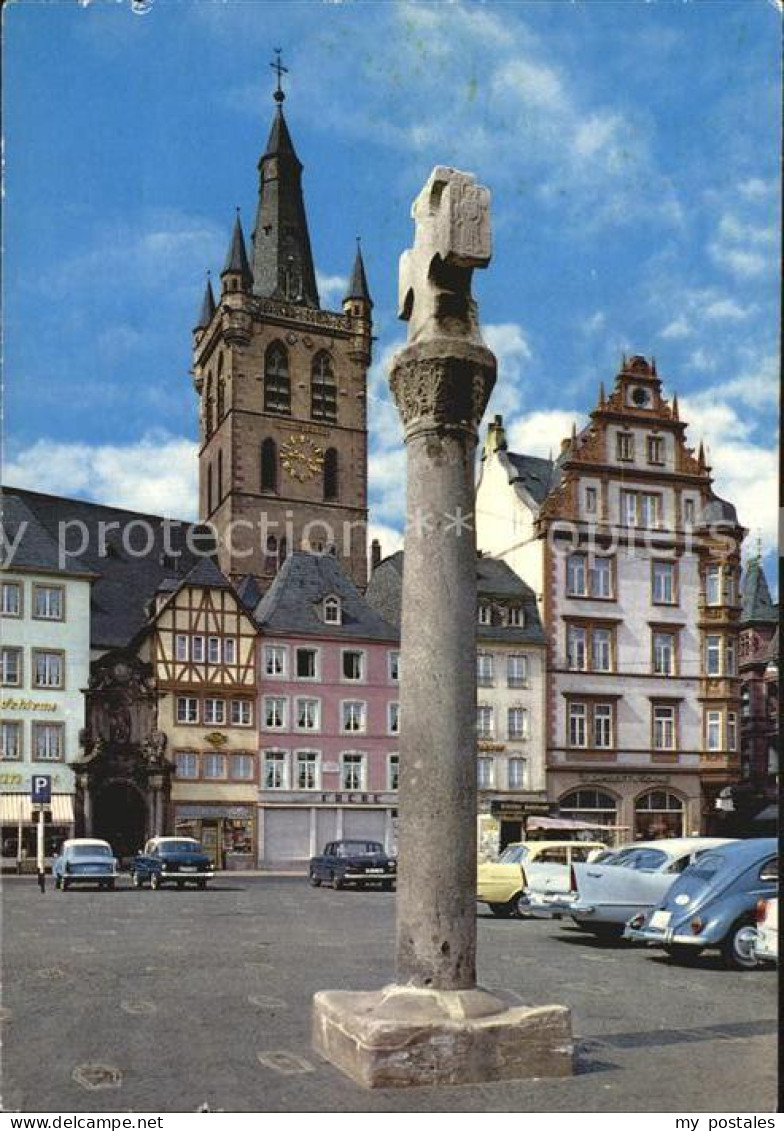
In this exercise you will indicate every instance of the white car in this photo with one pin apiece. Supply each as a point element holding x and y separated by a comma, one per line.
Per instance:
<point>765,944</point>
<point>604,896</point>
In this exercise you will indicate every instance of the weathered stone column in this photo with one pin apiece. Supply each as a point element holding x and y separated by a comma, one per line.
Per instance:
<point>435,1026</point>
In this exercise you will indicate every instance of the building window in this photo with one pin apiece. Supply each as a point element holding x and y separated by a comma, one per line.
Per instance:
<point>730,586</point>
<point>352,771</point>
<point>275,776</point>
<point>576,648</point>
<point>664,653</point>
<point>713,585</point>
<point>485,725</point>
<point>601,650</point>
<point>197,649</point>
<point>11,667</point>
<point>48,669</point>
<point>277,385</point>
<point>658,814</point>
<point>713,730</point>
<point>589,577</point>
<point>713,655</point>
<point>269,465</point>
<point>274,660</point>
<point>10,741</point>
<point>664,728</point>
<point>624,449</point>
<point>242,767</point>
<point>600,577</point>
<point>516,616</point>
<point>274,712</point>
<point>591,805</point>
<point>517,671</point>
<point>241,712</point>
<point>213,650</point>
<point>186,764</point>
<point>49,602</point>
<point>229,650</point>
<point>214,712</point>
<point>602,726</point>
<point>393,718</point>
<point>518,723</point>
<point>330,475</point>
<point>732,731</point>
<point>307,769</point>
<point>745,703</point>
<point>393,772</point>
<point>353,716</point>
<point>11,599</point>
<point>394,666</point>
<point>48,742</point>
<point>576,575</point>
<point>354,666</point>
<point>181,647</point>
<point>485,614</point>
<point>517,771</point>
<point>578,735</point>
<point>307,663</point>
<point>485,773</point>
<point>332,613</point>
<point>688,512</point>
<point>730,656</point>
<point>590,648</point>
<point>484,669</point>
<point>187,709</point>
<point>655,449</point>
<point>308,714</point>
<point>323,389</point>
<point>641,509</point>
<point>663,583</point>
<point>591,499</point>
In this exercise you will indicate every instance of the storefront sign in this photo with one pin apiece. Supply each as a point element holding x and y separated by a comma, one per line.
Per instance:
<point>10,704</point>
<point>496,746</point>
<point>519,810</point>
<point>223,812</point>
<point>14,780</point>
<point>616,779</point>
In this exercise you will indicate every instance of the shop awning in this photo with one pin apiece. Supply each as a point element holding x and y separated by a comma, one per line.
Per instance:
<point>561,824</point>
<point>16,807</point>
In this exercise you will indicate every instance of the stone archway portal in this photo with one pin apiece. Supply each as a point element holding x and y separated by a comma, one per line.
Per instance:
<point>119,816</point>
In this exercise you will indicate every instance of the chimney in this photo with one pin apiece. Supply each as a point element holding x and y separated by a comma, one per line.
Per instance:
<point>496,436</point>
<point>375,554</point>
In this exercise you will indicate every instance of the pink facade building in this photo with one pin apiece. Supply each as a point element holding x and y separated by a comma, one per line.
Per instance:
<point>328,714</point>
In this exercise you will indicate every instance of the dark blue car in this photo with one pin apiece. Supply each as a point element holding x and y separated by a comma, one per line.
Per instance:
<point>712,904</point>
<point>176,860</point>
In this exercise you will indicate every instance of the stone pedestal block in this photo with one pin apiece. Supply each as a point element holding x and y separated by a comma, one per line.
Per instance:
<point>402,1037</point>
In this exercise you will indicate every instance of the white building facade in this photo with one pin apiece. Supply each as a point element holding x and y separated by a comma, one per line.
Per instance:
<point>635,564</point>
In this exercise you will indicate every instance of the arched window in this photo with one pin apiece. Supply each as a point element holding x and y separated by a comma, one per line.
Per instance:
<point>657,813</point>
<point>323,389</point>
<point>209,488</point>
<point>332,614</point>
<point>271,554</point>
<point>330,474</point>
<point>208,402</point>
<point>221,400</point>
<point>277,384</point>
<point>594,806</point>
<point>220,477</point>
<point>269,465</point>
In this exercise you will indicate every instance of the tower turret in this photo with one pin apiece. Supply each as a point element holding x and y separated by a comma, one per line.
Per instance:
<point>236,274</point>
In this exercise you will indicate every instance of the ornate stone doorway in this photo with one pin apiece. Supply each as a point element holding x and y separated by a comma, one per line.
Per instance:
<point>119,816</point>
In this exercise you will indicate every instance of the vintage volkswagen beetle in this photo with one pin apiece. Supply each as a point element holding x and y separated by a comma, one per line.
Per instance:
<point>176,860</point>
<point>85,861</point>
<point>712,905</point>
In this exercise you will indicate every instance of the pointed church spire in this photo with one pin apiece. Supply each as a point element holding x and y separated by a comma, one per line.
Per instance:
<point>358,284</point>
<point>207,307</point>
<point>602,397</point>
<point>237,257</point>
<point>701,456</point>
<point>675,407</point>
<point>282,257</point>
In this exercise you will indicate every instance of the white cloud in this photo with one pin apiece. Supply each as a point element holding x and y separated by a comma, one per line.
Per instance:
<point>727,309</point>
<point>157,474</point>
<point>594,322</point>
<point>744,248</point>
<point>331,288</point>
<point>756,189</point>
<point>387,481</point>
<point>391,538</point>
<point>678,328</point>
<point>541,433</point>
<point>509,343</point>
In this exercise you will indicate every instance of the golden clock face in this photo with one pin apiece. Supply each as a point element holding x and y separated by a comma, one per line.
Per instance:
<point>301,458</point>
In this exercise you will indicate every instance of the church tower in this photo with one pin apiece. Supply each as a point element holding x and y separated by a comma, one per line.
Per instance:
<point>282,388</point>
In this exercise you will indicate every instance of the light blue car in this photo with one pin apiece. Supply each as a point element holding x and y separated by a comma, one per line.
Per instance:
<point>712,905</point>
<point>85,861</point>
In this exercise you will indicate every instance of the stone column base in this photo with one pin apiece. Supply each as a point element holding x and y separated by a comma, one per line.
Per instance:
<point>402,1037</point>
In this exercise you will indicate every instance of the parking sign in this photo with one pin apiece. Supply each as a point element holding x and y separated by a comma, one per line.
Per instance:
<point>41,789</point>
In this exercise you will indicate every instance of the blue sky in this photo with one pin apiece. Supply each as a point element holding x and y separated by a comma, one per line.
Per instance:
<point>632,150</point>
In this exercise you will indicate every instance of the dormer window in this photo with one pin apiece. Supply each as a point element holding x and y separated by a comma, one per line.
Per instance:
<point>485,614</point>
<point>332,610</point>
<point>516,616</point>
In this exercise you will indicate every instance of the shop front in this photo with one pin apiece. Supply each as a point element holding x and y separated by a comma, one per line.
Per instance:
<point>227,832</point>
<point>289,834</point>
<point>19,828</point>
<point>631,806</point>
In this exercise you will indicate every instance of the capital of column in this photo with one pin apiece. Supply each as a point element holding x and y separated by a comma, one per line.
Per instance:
<point>442,384</point>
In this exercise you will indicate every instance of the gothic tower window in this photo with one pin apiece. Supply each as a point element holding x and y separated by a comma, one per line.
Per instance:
<point>220,476</point>
<point>277,383</point>
<point>209,488</point>
<point>323,389</point>
<point>330,475</point>
<point>221,400</point>
<point>208,408</point>
<point>269,465</point>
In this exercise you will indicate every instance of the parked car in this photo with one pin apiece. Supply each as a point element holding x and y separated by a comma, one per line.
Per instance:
<point>355,862</point>
<point>765,943</point>
<point>85,861</point>
<point>500,883</point>
<point>176,860</point>
<point>712,905</point>
<point>603,897</point>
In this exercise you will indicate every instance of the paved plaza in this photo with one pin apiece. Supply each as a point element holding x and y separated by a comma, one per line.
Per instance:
<point>147,1001</point>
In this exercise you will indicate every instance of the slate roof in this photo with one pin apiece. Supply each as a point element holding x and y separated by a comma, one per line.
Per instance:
<point>124,582</point>
<point>293,603</point>
<point>37,549</point>
<point>237,256</point>
<point>494,578</point>
<point>718,511</point>
<point>207,308</point>
<point>536,474</point>
<point>279,140</point>
<point>249,592</point>
<point>358,284</point>
<point>756,603</point>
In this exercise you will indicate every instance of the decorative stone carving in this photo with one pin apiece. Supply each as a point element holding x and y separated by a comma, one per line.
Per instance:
<point>445,390</point>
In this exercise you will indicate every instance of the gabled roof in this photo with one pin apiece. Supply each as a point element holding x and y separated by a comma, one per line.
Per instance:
<point>108,540</point>
<point>206,574</point>
<point>756,604</point>
<point>536,474</point>
<point>293,604</point>
<point>494,578</point>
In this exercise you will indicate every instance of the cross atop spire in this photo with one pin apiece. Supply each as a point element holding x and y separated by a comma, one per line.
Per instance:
<point>278,67</point>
